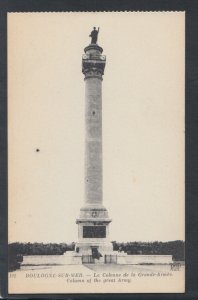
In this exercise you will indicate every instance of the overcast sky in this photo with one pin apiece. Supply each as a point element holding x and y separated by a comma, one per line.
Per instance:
<point>143,124</point>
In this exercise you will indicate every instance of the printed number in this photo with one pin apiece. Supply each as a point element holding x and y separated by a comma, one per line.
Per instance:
<point>175,266</point>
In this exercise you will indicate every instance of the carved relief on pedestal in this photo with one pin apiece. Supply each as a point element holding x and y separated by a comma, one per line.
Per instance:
<point>94,214</point>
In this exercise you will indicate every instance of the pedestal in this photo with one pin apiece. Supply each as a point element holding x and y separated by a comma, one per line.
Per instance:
<point>93,231</point>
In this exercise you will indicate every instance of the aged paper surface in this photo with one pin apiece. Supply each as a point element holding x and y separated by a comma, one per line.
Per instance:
<point>143,142</point>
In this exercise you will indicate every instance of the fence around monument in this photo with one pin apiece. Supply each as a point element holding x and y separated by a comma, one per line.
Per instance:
<point>108,259</point>
<point>87,259</point>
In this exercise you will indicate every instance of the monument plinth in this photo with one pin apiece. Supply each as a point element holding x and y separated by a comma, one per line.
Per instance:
<point>93,223</point>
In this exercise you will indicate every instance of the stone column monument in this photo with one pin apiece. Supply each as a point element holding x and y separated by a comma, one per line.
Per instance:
<point>93,223</point>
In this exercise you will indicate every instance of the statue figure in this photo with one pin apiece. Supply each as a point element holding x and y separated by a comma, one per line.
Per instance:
<point>94,35</point>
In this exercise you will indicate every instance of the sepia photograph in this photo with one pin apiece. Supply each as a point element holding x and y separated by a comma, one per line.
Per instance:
<point>96,155</point>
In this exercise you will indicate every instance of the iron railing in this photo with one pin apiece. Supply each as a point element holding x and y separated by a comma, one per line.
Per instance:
<point>110,259</point>
<point>87,259</point>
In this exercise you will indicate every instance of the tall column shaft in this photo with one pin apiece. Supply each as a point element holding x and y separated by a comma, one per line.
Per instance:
<point>93,222</point>
<point>93,140</point>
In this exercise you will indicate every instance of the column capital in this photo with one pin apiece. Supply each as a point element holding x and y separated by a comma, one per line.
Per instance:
<point>93,62</point>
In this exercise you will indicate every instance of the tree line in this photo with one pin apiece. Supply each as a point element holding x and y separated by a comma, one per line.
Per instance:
<point>40,248</point>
